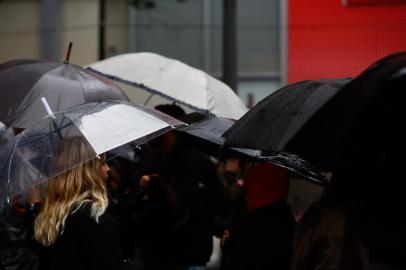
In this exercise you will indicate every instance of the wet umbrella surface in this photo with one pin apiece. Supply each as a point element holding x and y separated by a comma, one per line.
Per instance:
<point>207,130</point>
<point>30,158</point>
<point>24,82</point>
<point>270,124</point>
<point>366,111</point>
<point>173,80</point>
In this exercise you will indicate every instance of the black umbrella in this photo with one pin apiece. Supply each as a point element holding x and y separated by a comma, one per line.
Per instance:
<point>359,136</point>
<point>364,117</point>
<point>23,82</point>
<point>270,124</point>
<point>205,131</point>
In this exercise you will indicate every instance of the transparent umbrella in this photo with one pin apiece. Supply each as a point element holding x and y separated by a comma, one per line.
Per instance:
<point>5,135</point>
<point>34,156</point>
<point>24,81</point>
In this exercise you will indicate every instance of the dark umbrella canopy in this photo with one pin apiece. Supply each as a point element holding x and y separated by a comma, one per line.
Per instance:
<point>359,136</point>
<point>270,124</point>
<point>24,82</point>
<point>367,113</point>
<point>207,129</point>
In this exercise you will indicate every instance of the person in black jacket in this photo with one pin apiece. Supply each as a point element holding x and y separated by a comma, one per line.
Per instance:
<point>18,250</point>
<point>191,177</point>
<point>73,225</point>
<point>263,237</point>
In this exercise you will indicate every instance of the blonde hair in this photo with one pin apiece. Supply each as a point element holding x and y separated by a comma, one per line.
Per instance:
<point>68,191</point>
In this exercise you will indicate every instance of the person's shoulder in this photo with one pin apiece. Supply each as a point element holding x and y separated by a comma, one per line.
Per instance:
<point>81,211</point>
<point>82,207</point>
<point>322,217</point>
<point>81,215</point>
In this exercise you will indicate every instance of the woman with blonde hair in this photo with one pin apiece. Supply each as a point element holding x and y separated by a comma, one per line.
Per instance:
<point>73,225</point>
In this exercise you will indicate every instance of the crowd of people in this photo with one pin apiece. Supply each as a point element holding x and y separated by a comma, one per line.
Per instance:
<point>159,209</point>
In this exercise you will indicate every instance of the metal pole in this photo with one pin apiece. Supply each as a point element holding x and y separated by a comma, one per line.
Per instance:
<point>206,35</point>
<point>132,34</point>
<point>50,21</point>
<point>283,51</point>
<point>102,28</point>
<point>230,43</point>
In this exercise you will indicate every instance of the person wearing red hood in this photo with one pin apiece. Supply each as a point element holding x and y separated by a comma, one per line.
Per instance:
<point>263,237</point>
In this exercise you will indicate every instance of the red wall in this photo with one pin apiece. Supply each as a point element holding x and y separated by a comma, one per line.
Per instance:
<point>327,39</point>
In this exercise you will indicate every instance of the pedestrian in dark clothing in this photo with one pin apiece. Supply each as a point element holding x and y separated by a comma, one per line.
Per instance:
<point>18,250</point>
<point>154,219</point>
<point>195,179</point>
<point>359,223</point>
<point>192,177</point>
<point>73,226</point>
<point>262,239</point>
<point>125,197</point>
<point>85,243</point>
<point>233,172</point>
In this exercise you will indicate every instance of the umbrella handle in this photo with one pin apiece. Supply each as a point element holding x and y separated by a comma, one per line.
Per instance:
<point>47,108</point>
<point>51,114</point>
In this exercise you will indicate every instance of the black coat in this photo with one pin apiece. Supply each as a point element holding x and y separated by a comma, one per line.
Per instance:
<point>85,244</point>
<point>262,240</point>
<point>18,250</point>
<point>193,178</point>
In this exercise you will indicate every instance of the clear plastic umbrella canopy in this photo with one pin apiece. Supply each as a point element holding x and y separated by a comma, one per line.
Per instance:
<point>67,139</point>
<point>24,81</point>
<point>173,80</point>
<point>5,135</point>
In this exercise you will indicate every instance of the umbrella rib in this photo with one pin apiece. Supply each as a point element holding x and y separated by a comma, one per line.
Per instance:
<point>143,86</point>
<point>209,96</point>
<point>75,71</point>
<point>87,141</point>
<point>9,169</point>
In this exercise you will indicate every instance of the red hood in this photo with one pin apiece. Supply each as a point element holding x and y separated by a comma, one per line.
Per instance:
<point>266,184</point>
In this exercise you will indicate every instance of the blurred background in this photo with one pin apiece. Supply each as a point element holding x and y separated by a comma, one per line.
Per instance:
<point>270,42</point>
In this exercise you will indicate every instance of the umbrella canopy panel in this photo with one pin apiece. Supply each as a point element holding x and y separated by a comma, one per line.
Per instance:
<point>39,153</point>
<point>173,80</point>
<point>24,82</point>
<point>209,128</point>
<point>270,124</point>
<point>365,114</point>
<point>5,135</point>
